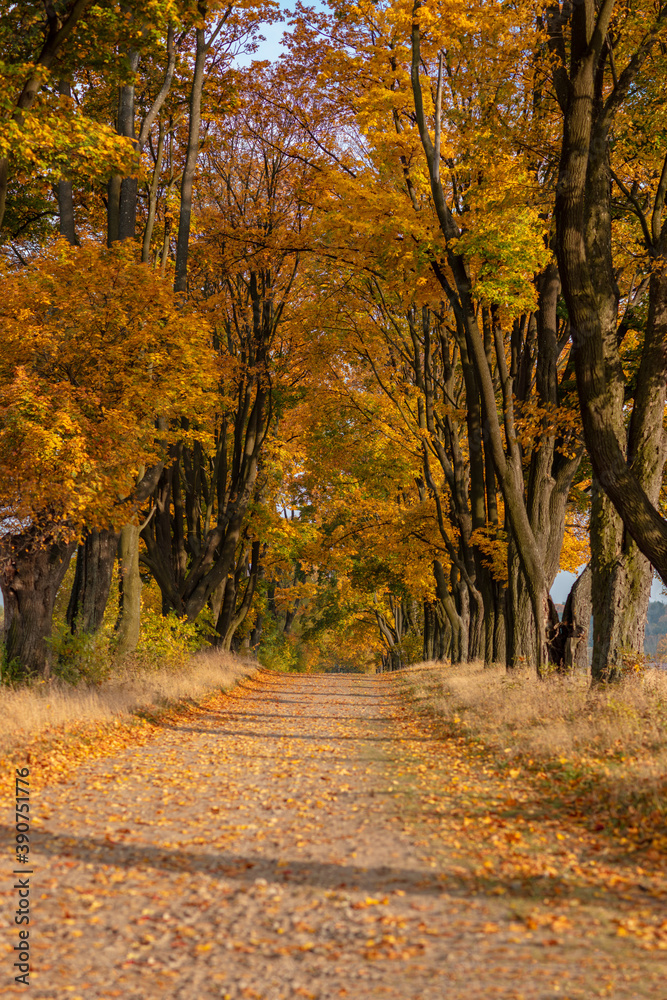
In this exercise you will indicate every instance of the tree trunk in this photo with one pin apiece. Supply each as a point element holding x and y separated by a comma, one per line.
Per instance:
<point>187,578</point>
<point>584,245</point>
<point>290,617</point>
<point>520,634</point>
<point>185,216</point>
<point>500,627</point>
<point>32,569</point>
<point>550,472</point>
<point>92,580</point>
<point>113,208</point>
<point>486,586</point>
<point>444,639</point>
<point>152,199</point>
<point>463,610</point>
<point>227,608</point>
<point>430,632</point>
<point>256,634</point>
<point>449,607</point>
<point>572,645</point>
<point>620,591</point>
<point>127,194</point>
<point>65,193</point>
<point>129,623</point>
<point>232,616</point>
<point>216,599</point>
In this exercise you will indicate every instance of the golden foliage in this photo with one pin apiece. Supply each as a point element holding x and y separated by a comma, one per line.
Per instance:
<point>95,350</point>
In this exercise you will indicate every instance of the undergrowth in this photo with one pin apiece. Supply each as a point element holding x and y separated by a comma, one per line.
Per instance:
<point>88,684</point>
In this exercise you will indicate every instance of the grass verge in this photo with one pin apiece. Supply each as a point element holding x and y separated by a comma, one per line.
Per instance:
<point>600,751</point>
<point>51,726</point>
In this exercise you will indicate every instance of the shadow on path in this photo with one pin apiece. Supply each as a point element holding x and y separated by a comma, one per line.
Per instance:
<point>225,864</point>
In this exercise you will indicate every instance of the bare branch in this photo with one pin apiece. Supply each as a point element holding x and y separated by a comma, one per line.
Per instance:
<point>147,123</point>
<point>636,208</point>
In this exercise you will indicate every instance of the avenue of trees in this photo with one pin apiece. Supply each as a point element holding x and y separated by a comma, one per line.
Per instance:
<point>347,354</point>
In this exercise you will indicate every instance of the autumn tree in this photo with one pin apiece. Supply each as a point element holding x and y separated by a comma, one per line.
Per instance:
<point>478,273</point>
<point>94,348</point>
<point>39,136</point>
<point>131,81</point>
<point>376,533</point>
<point>605,61</point>
<point>252,210</point>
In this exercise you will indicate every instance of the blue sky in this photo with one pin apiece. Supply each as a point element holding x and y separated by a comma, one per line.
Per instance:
<point>271,47</point>
<point>268,49</point>
<point>564,581</point>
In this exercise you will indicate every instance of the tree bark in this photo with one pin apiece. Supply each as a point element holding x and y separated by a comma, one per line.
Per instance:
<point>430,651</point>
<point>129,581</point>
<point>123,191</point>
<point>290,618</point>
<point>152,200</point>
<point>113,208</point>
<point>627,468</point>
<point>571,647</point>
<point>194,128</point>
<point>65,192</point>
<point>238,614</point>
<point>92,580</point>
<point>500,628</point>
<point>187,181</point>
<point>520,634</point>
<point>32,568</point>
<point>187,577</point>
<point>550,471</point>
<point>127,194</point>
<point>256,633</point>
<point>620,591</point>
<point>458,650</point>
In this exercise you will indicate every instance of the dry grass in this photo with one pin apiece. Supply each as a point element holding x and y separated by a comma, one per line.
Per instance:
<point>608,746</point>
<point>30,712</point>
<point>547,718</point>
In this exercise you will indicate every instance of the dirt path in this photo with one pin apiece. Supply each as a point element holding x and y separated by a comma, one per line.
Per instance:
<point>268,847</point>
